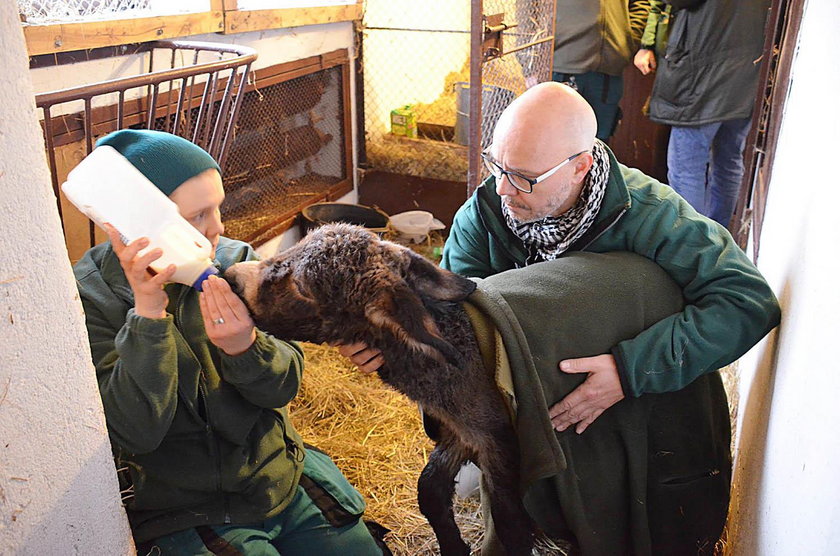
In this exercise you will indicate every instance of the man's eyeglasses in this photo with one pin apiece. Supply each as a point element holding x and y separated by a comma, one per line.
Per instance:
<point>517,180</point>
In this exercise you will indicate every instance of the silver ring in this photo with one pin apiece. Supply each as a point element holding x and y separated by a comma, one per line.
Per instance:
<point>219,320</point>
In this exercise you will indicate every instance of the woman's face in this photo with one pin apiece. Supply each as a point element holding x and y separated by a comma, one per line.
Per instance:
<point>199,200</point>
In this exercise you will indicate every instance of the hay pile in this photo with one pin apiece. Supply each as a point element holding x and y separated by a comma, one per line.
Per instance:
<point>374,435</point>
<point>423,158</point>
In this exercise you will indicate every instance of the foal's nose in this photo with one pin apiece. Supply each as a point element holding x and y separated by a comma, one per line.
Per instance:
<point>239,274</point>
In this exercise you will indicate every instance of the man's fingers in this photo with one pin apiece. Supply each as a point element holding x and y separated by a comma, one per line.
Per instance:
<point>584,423</point>
<point>372,365</point>
<point>349,350</point>
<point>569,403</point>
<point>581,365</point>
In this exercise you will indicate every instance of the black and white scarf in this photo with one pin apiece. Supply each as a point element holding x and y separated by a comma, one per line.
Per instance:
<point>547,238</point>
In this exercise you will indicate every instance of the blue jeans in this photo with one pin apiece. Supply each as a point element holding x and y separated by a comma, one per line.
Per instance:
<point>706,166</point>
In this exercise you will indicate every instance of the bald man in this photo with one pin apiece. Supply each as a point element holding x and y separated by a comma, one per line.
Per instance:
<point>554,189</point>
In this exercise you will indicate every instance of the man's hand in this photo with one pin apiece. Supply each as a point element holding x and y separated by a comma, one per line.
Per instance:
<point>367,359</point>
<point>645,61</point>
<point>600,390</point>
<point>226,318</point>
<point>149,298</point>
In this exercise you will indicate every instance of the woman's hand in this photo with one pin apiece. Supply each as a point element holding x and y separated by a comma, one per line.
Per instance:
<point>226,318</point>
<point>149,298</point>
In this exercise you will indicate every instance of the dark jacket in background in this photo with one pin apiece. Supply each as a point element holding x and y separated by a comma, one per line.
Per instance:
<point>709,72</point>
<point>599,36</point>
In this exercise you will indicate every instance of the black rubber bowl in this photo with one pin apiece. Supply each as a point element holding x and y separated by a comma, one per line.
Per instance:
<point>321,213</point>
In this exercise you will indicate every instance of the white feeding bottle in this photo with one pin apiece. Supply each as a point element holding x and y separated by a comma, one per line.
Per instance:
<point>106,187</point>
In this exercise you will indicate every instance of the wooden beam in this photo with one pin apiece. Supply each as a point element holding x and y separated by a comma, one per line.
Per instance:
<point>242,21</point>
<point>63,37</point>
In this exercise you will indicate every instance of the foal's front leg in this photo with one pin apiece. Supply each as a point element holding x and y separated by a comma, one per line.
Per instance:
<point>499,461</point>
<point>434,493</point>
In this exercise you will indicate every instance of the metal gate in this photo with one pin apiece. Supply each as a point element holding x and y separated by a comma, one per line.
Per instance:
<point>511,46</point>
<point>437,74</point>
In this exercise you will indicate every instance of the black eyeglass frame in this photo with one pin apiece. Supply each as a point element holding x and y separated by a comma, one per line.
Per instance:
<point>498,172</point>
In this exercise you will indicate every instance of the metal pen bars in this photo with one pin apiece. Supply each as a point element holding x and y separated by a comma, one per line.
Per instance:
<point>198,100</point>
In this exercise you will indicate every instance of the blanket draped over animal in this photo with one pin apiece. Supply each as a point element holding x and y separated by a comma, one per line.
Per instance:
<point>651,475</point>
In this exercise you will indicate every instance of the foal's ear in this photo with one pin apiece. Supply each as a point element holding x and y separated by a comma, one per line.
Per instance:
<point>399,310</point>
<point>431,281</point>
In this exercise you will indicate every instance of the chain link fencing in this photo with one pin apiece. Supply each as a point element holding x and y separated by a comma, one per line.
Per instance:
<point>287,151</point>
<point>50,11</point>
<point>528,47</point>
<point>416,67</point>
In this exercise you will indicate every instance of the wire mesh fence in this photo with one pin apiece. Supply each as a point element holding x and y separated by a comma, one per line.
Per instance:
<point>288,150</point>
<point>416,67</point>
<point>187,88</point>
<point>527,47</point>
<point>49,11</point>
<point>416,64</point>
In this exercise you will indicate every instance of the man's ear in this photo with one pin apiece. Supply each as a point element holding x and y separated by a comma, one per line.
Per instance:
<point>583,164</point>
<point>432,282</point>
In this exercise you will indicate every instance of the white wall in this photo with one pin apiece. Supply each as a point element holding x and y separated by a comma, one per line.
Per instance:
<point>787,484</point>
<point>58,489</point>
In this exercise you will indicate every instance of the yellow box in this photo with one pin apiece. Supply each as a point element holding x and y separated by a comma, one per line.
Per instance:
<point>404,122</point>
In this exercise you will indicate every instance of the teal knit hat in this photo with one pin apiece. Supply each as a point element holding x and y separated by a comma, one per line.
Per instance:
<point>165,159</point>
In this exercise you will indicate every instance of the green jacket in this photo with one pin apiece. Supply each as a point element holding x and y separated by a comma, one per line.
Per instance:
<point>729,305</point>
<point>597,35</point>
<point>199,436</point>
<point>655,36</point>
<point>709,70</point>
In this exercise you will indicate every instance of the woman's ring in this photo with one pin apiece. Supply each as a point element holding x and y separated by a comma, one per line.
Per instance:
<point>219,320</point>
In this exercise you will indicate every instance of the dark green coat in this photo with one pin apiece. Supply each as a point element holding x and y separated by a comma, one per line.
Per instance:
<point>709,72</point>
<point>729,305</point>
<point>203,437</point>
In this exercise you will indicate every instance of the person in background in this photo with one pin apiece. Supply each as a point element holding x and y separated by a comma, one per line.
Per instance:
<point>195,396</point>
<point>706,82</point>
<point>593,42</point>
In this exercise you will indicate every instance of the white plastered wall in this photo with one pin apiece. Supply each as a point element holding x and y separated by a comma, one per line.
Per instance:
<point>58,490</point>
<point>786,497</point>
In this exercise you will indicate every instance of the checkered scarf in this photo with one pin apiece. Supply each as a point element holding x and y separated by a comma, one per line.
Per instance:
<point>547,238</point>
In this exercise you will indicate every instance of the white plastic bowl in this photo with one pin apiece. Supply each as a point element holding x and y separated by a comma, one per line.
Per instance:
<point>415,225</point>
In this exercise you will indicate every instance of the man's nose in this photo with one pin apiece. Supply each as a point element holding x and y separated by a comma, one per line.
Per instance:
<point>504,187</point>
